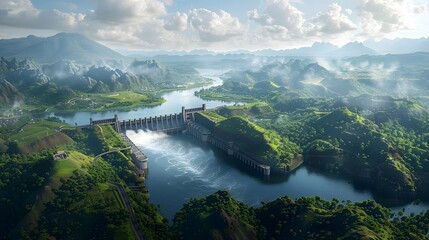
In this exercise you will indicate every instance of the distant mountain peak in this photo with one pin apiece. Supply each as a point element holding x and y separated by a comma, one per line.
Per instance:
<point>69,34</point>
<point>354,44</point>
<point>323,44</point>
<point>69,46</point>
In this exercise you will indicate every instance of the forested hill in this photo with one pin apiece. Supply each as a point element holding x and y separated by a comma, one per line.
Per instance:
<point>219,216</point>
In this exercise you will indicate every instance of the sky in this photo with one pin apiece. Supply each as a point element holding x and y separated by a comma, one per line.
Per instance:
<point>217,25</point>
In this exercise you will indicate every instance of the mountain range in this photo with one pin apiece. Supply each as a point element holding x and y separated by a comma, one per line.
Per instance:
<point>76,47</point>
<point>318,49</point>
<point>62,46</point>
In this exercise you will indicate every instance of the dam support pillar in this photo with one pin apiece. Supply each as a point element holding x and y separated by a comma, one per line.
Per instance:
<point>117,125</point>
<point>267,171</point>
<point>230,149</point>
<point>184,115</point>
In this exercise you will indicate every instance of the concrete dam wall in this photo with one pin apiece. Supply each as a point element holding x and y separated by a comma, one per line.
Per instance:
<point>178,123</point>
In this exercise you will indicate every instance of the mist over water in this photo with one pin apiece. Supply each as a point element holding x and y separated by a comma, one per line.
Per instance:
<point>181,168</point>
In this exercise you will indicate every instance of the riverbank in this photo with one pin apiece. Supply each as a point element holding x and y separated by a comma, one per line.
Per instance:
<point>119,101</point>
<point>98,102</point>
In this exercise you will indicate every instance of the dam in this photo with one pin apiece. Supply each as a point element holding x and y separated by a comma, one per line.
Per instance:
<point>183,122</point>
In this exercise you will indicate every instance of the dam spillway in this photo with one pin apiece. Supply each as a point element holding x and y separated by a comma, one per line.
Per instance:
<point>138,157</point>
<point>178,123</point>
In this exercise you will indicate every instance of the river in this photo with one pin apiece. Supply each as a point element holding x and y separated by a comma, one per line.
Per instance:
<point>181,168</point>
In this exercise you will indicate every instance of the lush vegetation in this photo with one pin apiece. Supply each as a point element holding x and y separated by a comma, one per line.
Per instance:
<point>69,86</point>
<point>71,197</point>
<point>219,216</point>
<point>21,177</point>
<point>35,136</point>
<point>265,145</point>
<point>335,119</point>
<point>107,101</point>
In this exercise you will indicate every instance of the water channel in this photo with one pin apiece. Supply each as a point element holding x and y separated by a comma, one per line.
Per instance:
<point>180,168</point>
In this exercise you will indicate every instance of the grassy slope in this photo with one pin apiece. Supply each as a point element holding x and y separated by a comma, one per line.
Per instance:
<point>108,101</point>
<point>265,145</point>
<point>256,109</point>
<point>63,169</point>
<point>110,137</point>
<point>39,136</point>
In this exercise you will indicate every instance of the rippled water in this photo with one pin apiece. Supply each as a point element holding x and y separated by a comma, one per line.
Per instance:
<point>181,168</point>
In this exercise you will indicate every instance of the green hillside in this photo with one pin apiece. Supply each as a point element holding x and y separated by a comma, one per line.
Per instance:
<point>267,146</point>
<point>38,136</point>
<point>71,198</point>
<point>219,216</point>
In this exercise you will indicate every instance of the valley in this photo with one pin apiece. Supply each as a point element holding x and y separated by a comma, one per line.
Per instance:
<point>346,141</point>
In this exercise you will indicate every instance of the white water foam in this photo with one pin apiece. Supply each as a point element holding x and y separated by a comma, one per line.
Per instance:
<point>185,160</point>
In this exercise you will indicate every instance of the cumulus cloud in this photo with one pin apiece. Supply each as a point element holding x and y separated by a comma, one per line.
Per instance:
<point>215,27</point>
<point>21,13</point>
<point>381,17</point>
<point>179,22</point>
<point>278,24</point>
<point>281,19</point>
<point>119,11</point>
<point>420,9</point>
<point>333,21</point>
<point>137,23</point>
<point>16,6</point>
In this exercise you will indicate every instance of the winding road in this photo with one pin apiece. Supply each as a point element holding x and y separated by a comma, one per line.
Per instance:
<point>134,224</point>
<point>125,200</point>
<point>111,151</point>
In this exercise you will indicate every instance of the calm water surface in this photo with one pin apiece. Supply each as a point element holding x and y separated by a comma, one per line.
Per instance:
<point>174,102</point>
<point>181,168</point>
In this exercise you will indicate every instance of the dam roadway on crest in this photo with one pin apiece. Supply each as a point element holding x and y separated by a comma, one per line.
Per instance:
<point>183,122</point>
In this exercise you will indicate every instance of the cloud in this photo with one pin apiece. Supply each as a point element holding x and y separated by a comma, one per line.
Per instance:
<point>179,22</point>
<point>280,19</point>
<point>279,24</point>
<point>333,21</point>
<point>215,27</point>
<point>21,13</point>
<point>16,6</point>
<point>381,17</point>
<point>420,9</point>
<point>120,11</point>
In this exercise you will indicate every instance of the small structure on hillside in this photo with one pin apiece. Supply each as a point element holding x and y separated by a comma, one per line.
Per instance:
<point>60,155</point>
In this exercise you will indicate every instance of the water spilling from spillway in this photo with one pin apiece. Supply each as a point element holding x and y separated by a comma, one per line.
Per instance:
<point>197,164</point>
<point>181,168</point>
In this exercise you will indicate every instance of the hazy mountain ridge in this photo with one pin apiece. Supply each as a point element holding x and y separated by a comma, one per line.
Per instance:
<point>72,46</point>
<point>399,45</point>
<point>62,79</point>
<point>69,46</point>
<point>9,95</point>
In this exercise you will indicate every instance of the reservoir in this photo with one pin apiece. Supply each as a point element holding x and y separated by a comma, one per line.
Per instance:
<point>181,168</point>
